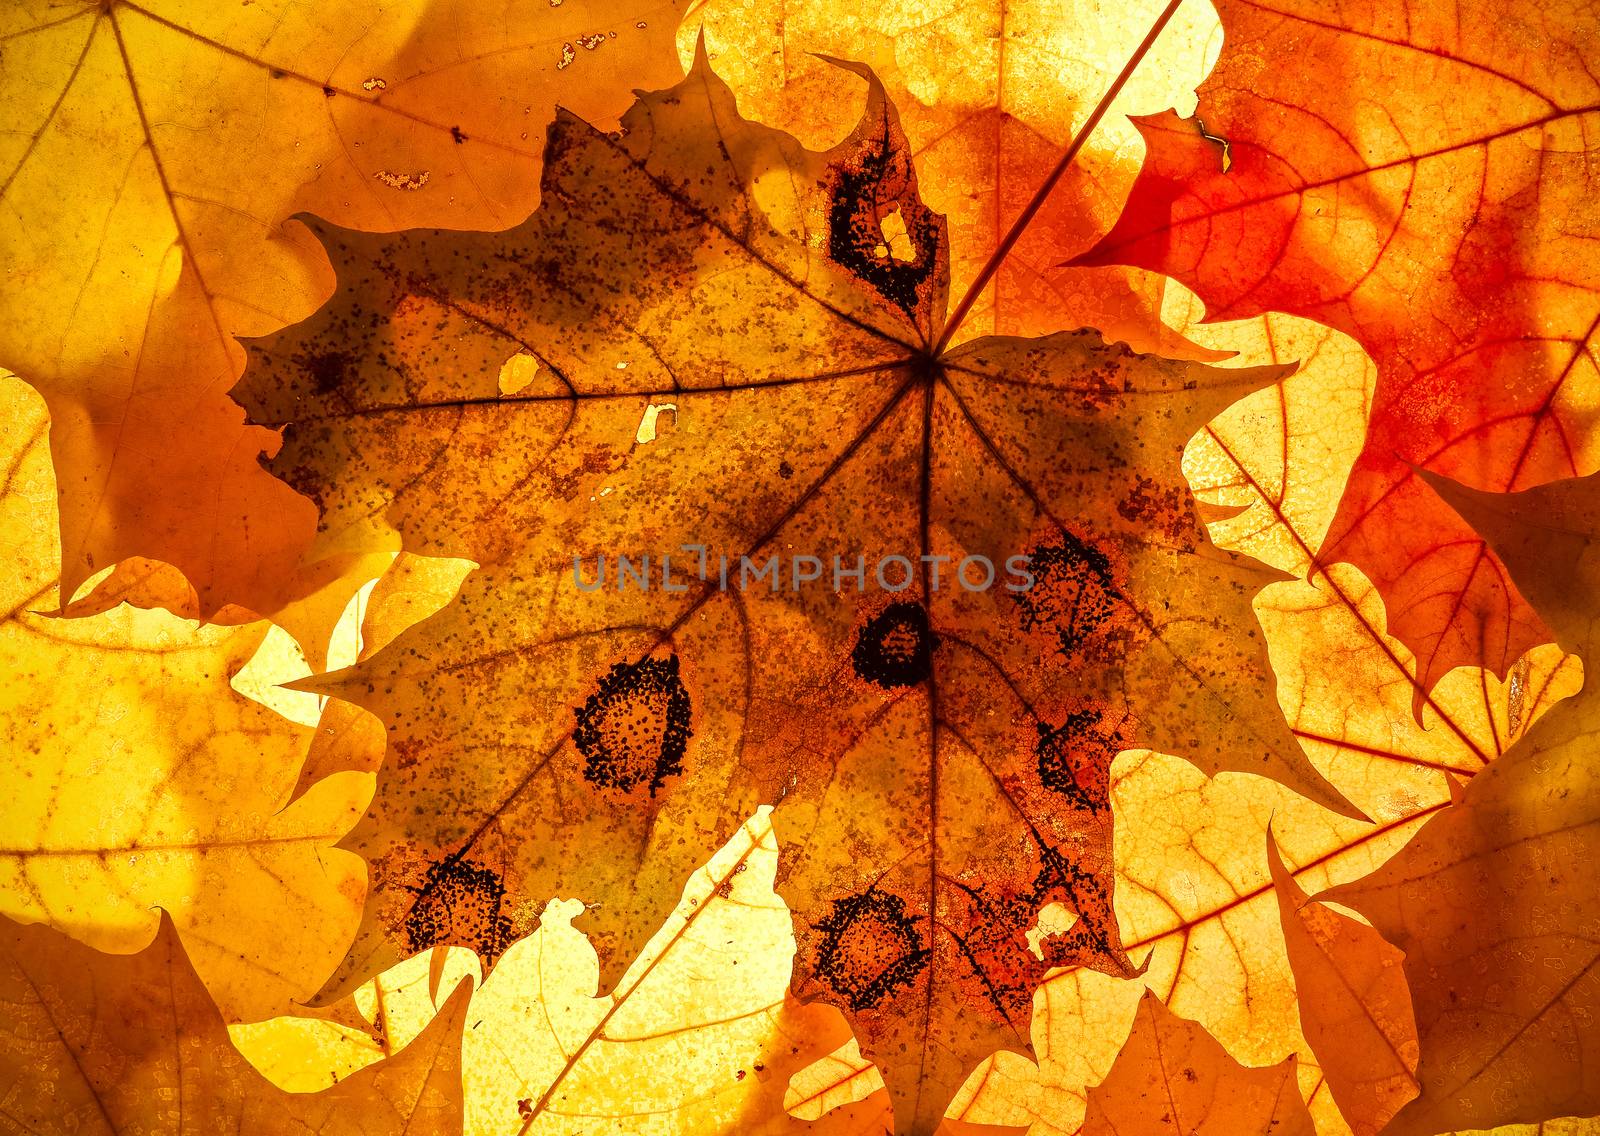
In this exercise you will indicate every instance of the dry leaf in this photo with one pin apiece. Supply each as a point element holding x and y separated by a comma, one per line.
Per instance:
<point>1193,886</point>
<point>1493,902</point>
<point>1354,1004</point>
<point>548,1054</point>
<point>138,778</point>
<point>152,154</point>
<point>712,336</point>
<point>349,738</point>
<point>701,258</point>
<point>1446,218</point>
<point>111,1044</point>
<point>1173,1079</point>
<point>990,94</point>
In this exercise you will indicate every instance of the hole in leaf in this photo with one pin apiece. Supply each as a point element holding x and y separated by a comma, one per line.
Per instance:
<point>517,372</point>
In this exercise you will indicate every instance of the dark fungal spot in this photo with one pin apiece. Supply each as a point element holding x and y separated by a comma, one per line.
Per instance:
<point>455,132</point>
<point>895,647</point>
<point>871,948</point>
<point>1072,591</point>
<point>328,92</point>
<point>869,186</point>
<point>995,940</point>
<point>463,903</point>
<point>328,369</point>
<point>785,470</point>
<point>1075,759</point>
<point>1164,508</point>
<point>634,728</point>
<point>995,927</point>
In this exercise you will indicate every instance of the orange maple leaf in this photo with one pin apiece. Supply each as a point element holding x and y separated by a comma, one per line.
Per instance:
<point>1446,219</point>
<point>132,1043</point>
<point>939,752</point>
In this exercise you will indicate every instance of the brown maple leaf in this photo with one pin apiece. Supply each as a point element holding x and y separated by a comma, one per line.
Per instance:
<point>1493,901</point>
<point>1446,219</point>
<point>349,738</point>
<point>1354,1004</point>
<point>1194,895</point>
<point>938,751</point>
<point>107,1044</point>
<point>154,150</point>
<point>1173,1079</point>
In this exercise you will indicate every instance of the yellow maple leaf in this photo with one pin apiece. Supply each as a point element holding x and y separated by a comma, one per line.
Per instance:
<point>140,779</point>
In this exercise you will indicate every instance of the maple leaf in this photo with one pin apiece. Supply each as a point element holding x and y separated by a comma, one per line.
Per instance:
<point>1452,236</point>
<point>989,94</point>
<point>348,738</point>
<point>132,1043</point>
<point>1354,1004</point>
<point>1492,901</point>
<point>1194,894</point>
<point>153,151</point>
<point>721,956</point>
<point>549,1052</point>
<point>1173,1079</point>
<point>137,778</point>
<point>940,753</point>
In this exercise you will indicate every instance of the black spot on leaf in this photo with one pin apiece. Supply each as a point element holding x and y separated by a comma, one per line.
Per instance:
<point>1075,759</point>
<point>1072,592</point>
<point>634,728</point>
<point>895,647</point>
<point>871,948</point>
<point>872,184</point>
<point>1094,937</point>
<point>460,902</point>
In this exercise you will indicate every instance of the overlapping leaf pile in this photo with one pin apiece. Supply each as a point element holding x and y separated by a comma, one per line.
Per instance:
<point>1028,848</point>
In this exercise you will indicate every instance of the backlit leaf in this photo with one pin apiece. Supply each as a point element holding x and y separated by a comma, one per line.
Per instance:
<point>137,778</point>
<point>1173,1078</point>
<point>111,1044</point>
<point>1446,218</point>
<point>940,752</point>
<point>1493,901</point>
<point>151,156</point>
<point>1354,1005</point>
